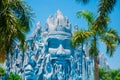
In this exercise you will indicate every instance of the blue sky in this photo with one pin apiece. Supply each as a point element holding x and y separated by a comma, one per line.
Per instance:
<point>44,8</point>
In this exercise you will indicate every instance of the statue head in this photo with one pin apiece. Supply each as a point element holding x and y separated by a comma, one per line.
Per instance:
<point>59,35</point>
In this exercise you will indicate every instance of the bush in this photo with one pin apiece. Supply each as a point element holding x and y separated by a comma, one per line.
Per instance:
<point>2,71</point>
<point>13,76</point>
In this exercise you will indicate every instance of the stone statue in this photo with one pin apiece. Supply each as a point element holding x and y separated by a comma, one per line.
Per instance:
<point>49,55</point>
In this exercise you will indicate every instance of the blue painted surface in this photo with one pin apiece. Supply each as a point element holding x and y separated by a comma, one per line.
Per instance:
<point>49,55</point>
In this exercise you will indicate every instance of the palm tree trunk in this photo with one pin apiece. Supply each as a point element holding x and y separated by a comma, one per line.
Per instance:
<point>96,74</point>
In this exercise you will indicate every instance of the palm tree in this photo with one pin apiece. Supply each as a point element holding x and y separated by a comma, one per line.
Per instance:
<point>15,16</point>
<point>109,36</point>
<point>104,8</point>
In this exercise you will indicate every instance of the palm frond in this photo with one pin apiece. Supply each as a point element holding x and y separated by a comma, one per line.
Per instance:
<point>93,48</point>
<point>88,16</point>
<point>110,46</point>
<point>82,1</point>
<point>21,37</point>
<point>111,39</point>
<point>80,36</point>
<point>112,33</point>
<point>100,24</point>
<point>15,17</point>
<point>23,12</point>
<point>106,6</point>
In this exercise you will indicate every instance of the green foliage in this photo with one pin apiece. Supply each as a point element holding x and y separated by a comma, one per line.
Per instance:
<point>94,34</point>
<point>88,16</point>
<point>111,39</point>
<point>13,76</point>
<point>2,71</point>
<point>15,17</point>
<point>10,76</point>
<point>82,1</point>
<point>80,36</point>
<point>109,75</point>
<point>106,6</point>
<point>109,36</point>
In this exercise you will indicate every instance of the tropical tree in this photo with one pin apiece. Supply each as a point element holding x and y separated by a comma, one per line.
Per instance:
<point>15,16</point>
<point>104,8</point>
<point>115,74</point>
<point>109,36</point>
<point>109,75</point>
<point>104,75</point>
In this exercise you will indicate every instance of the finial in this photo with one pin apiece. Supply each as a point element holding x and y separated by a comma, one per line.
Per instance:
<point>59,12</point>
<point>38,24</point>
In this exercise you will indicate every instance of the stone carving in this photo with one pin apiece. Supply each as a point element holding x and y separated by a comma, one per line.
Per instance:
<point>49,55</point>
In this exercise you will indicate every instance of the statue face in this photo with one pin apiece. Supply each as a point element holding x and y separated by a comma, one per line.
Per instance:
<point>59,47</point>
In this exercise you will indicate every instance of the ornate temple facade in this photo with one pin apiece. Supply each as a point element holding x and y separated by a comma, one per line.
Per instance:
<point>49,55</point>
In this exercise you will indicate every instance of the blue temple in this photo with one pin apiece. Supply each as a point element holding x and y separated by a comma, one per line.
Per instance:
<point>49,55</point>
